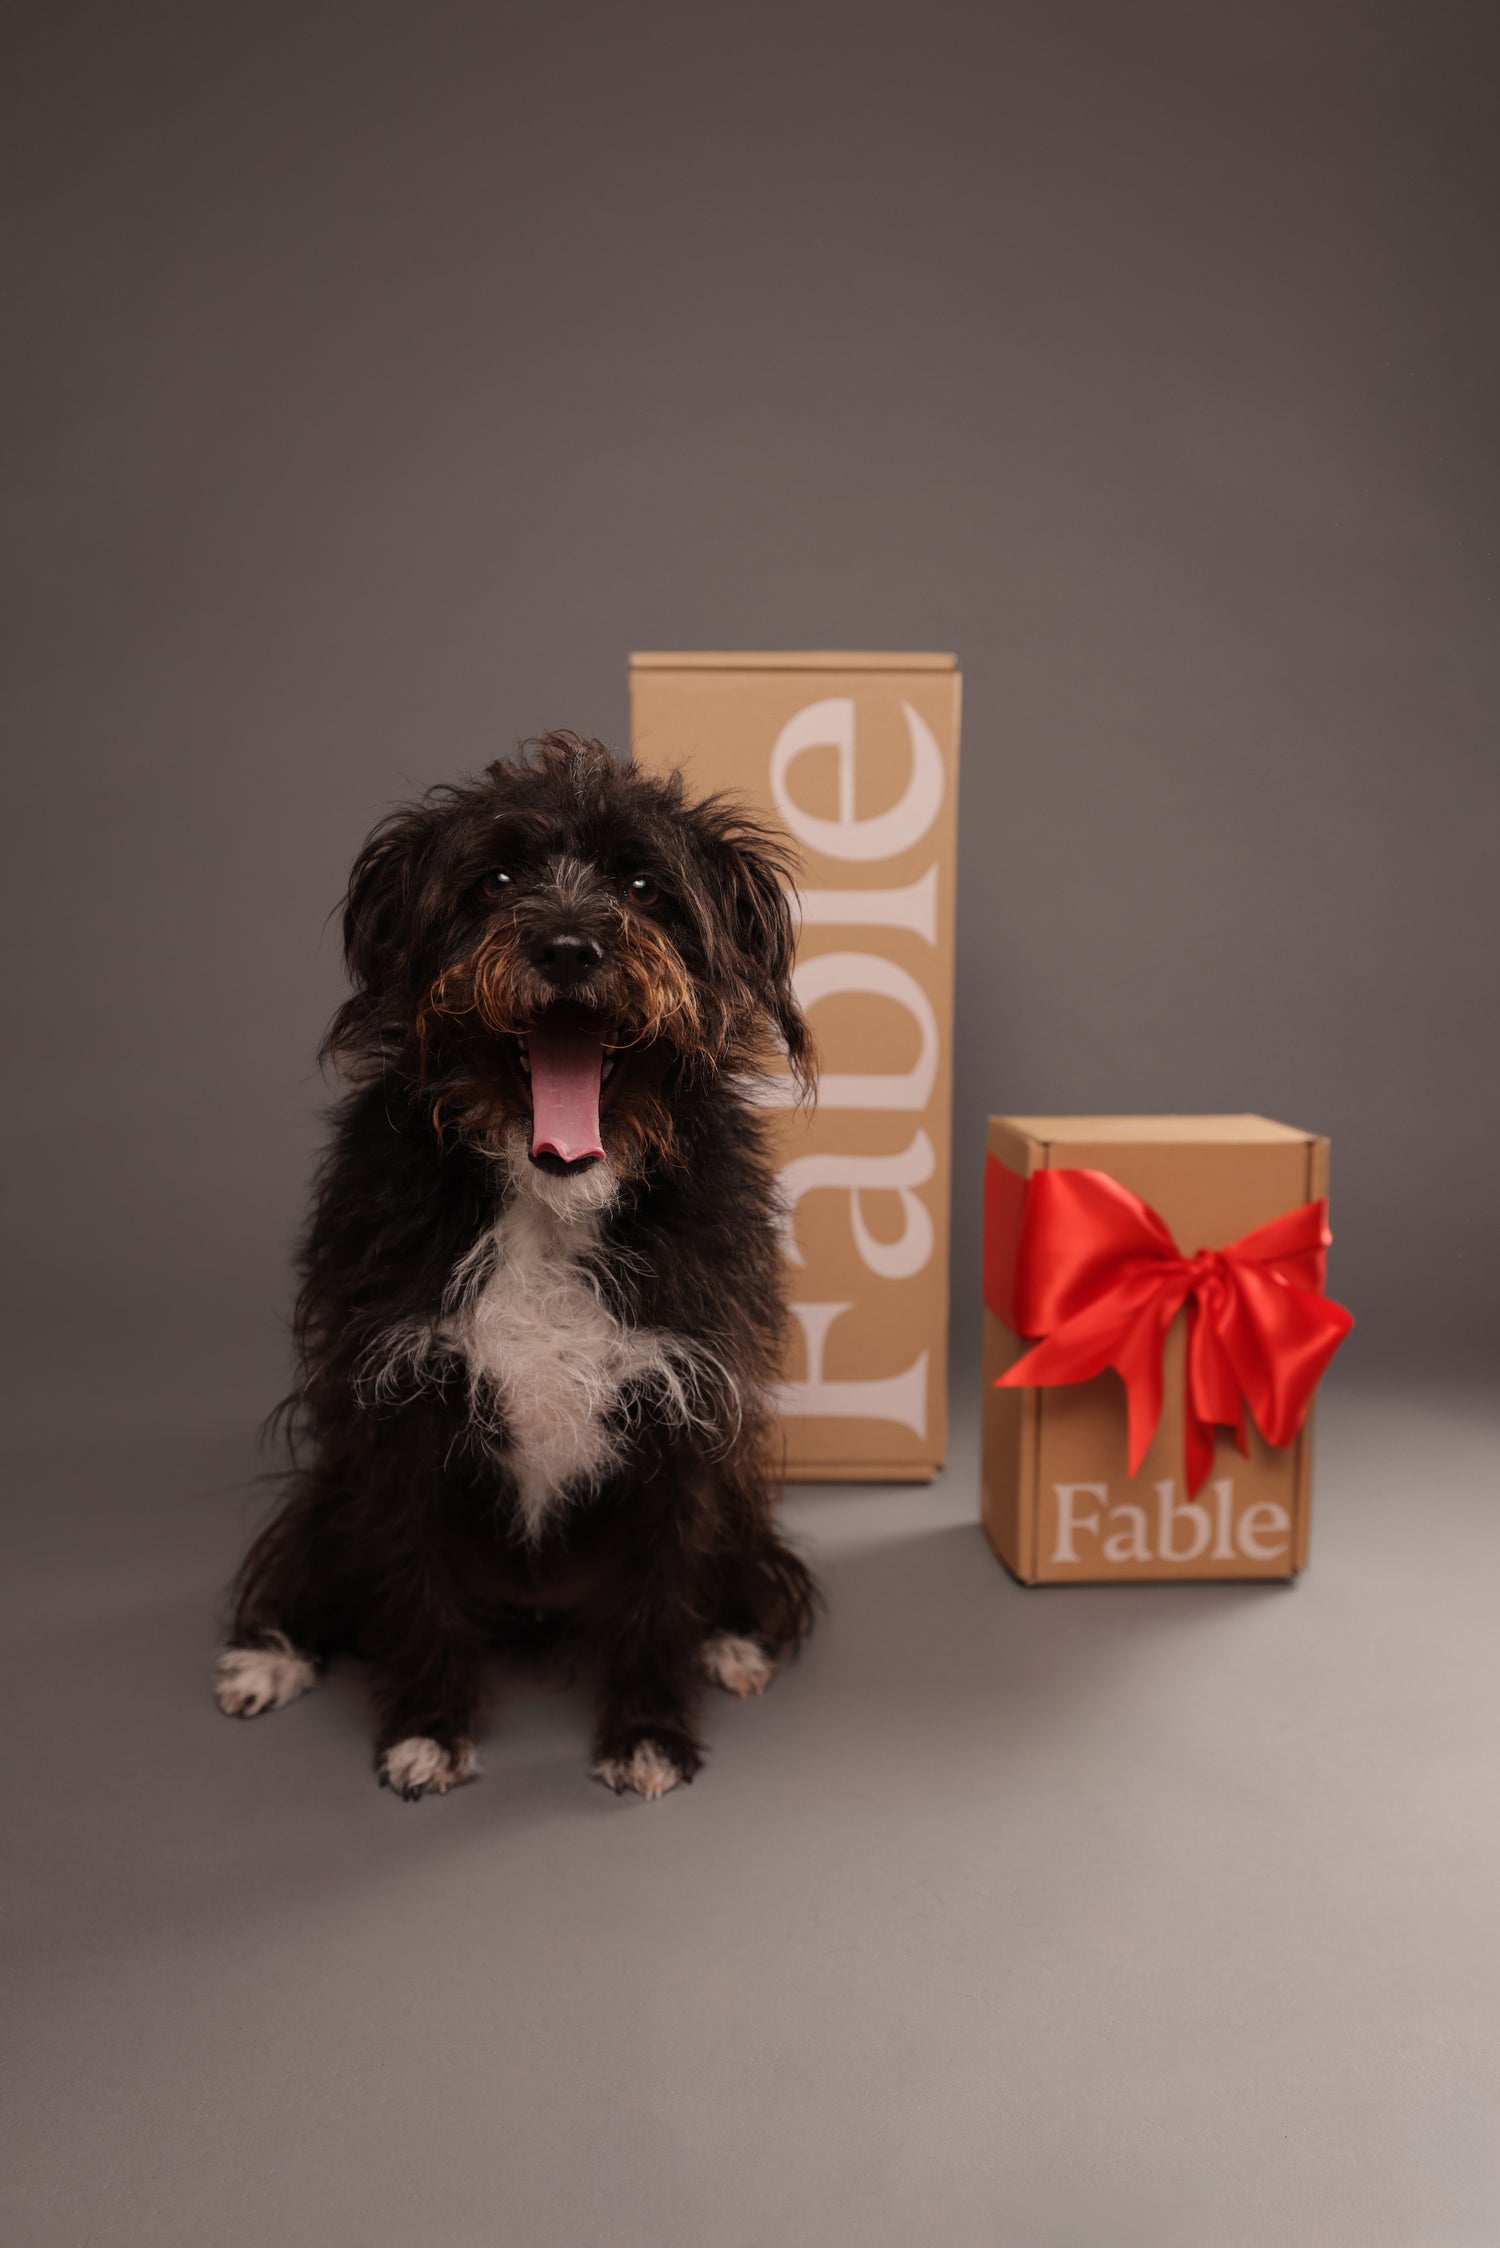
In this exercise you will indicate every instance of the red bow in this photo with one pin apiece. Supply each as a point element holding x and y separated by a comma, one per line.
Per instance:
<point>1100,1277</point>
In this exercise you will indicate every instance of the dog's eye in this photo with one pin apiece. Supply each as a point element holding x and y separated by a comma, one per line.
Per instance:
<point>643,891</point>
<point>496,883</point>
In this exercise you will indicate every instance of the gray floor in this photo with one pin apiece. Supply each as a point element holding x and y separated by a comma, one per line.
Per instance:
<point>1086,1919</point>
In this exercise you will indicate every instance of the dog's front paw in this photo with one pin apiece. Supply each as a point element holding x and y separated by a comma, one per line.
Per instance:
<point>418,1766</point>
<point>647,1769</point>
<point>740,1666</point>
<point>248,1680</point>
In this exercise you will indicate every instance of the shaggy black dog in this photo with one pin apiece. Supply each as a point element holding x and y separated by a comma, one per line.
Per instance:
<point>541,1305</point>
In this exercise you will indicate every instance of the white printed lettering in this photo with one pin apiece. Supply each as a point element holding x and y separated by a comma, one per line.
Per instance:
<point>1264,1515</point>
<point>893,1397</point>
<point>905,905</point>
<point>859,1175</point>
<point>833,973</point>
<point>1169,1514</point>
<point>1223,1492</point>
<point>1133,1542</point>
<point>830,724</point>
<point>1069,1521</point>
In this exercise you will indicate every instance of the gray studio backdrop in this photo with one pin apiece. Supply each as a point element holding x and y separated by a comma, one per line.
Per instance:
<point>380,377</point>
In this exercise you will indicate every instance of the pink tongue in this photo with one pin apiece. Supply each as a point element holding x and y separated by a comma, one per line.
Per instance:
<point>566,1061</point>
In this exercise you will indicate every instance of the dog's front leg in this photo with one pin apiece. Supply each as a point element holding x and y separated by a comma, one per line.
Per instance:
<point>428,1666</point>
<point>289,1613</point>
<point>645,1738</point>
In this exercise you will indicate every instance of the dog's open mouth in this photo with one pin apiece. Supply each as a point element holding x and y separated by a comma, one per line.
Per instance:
<point>569,1072</point>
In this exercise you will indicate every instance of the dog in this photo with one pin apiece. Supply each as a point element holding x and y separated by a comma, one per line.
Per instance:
<point>541,1307</point>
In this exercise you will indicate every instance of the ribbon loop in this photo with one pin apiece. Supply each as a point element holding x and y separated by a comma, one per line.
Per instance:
<point>1099,1278</point>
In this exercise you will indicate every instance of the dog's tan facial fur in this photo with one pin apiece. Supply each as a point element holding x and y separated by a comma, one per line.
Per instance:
<point>644,996</point>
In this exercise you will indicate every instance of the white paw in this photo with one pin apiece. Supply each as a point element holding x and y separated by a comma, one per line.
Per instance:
<point>248,1680</point>
<point>417,1766</point>
<point>648,1770</point>
<point>738,1665</point>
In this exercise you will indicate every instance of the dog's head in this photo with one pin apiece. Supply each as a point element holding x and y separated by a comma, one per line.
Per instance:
<point>552,957</point>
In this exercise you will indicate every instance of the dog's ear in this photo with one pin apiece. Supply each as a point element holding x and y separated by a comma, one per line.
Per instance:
<point>756,872</point>
<point>372,1025</point>
<point>383,886</point>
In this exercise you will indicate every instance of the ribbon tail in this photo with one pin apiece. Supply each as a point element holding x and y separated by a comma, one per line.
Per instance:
<point>1125,1329</point>
<point>1138,1360</point>
<point>1083,1345</point>
<point>1278,1338</point>
<point>1072,1354</point>
<point>1198,1449</point>
<point>1213,1398</point>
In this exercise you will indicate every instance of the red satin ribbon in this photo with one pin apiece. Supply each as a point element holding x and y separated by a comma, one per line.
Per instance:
<point>1098,1275</point>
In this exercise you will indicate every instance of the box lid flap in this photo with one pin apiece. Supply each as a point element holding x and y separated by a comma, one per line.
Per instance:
<point>793,659</point>
<point>1156,1131</point>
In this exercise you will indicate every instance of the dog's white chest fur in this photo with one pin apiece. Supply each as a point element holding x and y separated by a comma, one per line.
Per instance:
<point>539,1334</point>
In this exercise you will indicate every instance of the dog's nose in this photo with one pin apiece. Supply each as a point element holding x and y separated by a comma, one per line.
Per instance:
<point>564,956</point>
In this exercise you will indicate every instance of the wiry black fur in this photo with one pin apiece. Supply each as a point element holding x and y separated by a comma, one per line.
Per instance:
<point>399,1539</point>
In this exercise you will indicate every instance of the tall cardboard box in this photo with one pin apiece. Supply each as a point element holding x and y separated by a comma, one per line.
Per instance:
<point>1060,1505</point>
<point>856,756</point>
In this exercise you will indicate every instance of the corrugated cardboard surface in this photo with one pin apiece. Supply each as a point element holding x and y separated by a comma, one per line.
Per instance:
<point>857,756</point>
<point>1211,1179</point>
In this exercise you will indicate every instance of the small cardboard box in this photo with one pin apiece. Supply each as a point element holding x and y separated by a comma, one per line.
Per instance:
<point>1059,1503</point>
<point>856,756</point>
